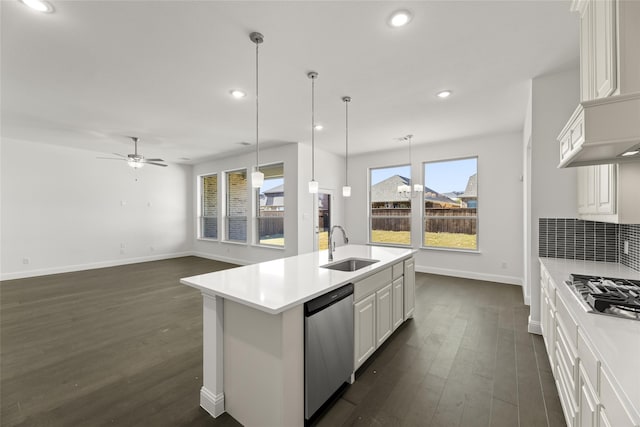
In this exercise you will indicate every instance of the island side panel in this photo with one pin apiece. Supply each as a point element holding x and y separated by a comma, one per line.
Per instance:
<point>264,366</point>
<point>212,392</point>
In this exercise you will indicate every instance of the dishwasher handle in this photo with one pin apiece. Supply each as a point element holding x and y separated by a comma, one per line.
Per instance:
<point>328,299</point>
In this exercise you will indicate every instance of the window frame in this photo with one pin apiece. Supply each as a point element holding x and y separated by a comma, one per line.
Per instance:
<point>423,215</point>
<point>256,212</point>
<point>227,204</point>
<point>370,215</point>
<point>200,207</point>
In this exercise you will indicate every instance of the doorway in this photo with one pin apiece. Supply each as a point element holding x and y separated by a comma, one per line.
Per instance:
<point>322,220</point>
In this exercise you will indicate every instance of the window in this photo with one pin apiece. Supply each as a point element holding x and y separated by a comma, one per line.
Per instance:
<point>390,209</point>
<point>270,206</point>
<point>237,193</point>
<point>451,204</point>
<point>208,207</point>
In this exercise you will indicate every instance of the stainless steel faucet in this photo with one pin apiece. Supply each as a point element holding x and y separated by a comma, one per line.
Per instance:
<point>332,245</point>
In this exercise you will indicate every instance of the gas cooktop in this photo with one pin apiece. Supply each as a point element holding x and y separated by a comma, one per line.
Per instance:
<point>606,295</point>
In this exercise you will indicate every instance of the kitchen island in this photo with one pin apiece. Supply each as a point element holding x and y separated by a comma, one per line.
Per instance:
<point>253,333</point>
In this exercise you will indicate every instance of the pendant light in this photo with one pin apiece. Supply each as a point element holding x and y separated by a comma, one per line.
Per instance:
<point>257,177</point>
<point>346,190</point>
<point>403,189</point>
<point>313,184</point>
<point>417,188</point>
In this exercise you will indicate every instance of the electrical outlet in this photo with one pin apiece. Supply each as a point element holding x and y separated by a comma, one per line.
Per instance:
<point>504,265</point>
<point>625,249</point>
<point>26,260</point>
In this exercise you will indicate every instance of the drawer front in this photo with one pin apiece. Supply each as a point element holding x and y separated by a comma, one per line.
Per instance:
<point>567,360</point>
<point>588,361</point>
<point>565,320</point>
<point>568,407</point>
<point>371,284</point>
<point>616,414</point>
<point>398,270</point>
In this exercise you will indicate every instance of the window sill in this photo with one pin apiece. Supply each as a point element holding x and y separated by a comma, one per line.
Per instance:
<point>280,248</point>
<point>231,242</point>
<point>466,251</point>
<point>390,245</point>
<point>208,239</point>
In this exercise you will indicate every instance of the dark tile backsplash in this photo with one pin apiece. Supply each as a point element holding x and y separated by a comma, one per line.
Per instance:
<point>589,240</point>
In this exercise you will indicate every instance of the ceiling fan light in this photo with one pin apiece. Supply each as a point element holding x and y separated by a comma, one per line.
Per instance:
<point>346,191</point>
<point>136,164</point>
<point>257,179</point>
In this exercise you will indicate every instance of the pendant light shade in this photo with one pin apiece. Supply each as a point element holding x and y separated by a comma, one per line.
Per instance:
<point>257,177</point>
<point>313,184</point>
<point>346,189</point>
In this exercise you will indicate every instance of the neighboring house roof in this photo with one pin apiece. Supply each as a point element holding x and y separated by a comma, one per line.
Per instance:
<point>277,189</point>
<point>472,188</point>
<point>387,190</point>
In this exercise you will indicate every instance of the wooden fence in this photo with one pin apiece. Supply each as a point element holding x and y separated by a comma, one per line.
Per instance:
<point>271,224</point>
<point>445,220</point>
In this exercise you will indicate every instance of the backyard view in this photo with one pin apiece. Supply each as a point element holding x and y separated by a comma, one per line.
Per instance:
<point>271,206</point>
<point>450,204</point>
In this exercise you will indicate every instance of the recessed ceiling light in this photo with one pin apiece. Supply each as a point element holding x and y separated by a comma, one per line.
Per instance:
<point>400,18</point>
<point>631,153</point>
<point>39,5</point>
<point>318,127</point>
<point>237,93</point>
<point>444,94</point>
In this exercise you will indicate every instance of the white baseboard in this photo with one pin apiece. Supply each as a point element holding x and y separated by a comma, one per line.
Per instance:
<point>213,404</point>
<point>510,280</point>
<point>534,327</point>
<point>89,266</point>
<point>220,258</point>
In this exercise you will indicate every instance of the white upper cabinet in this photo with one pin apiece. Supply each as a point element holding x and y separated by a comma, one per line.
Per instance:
<point>607,121</point>
<point>609,193</point>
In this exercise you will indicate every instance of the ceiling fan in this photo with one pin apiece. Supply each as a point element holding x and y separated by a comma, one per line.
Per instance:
<point>136,160</point>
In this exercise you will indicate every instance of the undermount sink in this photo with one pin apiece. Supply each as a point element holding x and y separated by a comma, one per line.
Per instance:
<point>350,264</point>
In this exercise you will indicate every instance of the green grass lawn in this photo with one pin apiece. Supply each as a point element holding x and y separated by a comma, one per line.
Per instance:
<point>439,240</point>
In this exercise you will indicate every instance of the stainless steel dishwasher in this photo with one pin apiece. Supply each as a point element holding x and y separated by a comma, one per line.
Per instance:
<point>328,347</point>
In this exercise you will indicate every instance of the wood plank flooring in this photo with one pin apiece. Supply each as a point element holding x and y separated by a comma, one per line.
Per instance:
<point>122,346</point>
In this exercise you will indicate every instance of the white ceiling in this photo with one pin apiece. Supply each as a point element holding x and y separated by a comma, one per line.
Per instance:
<point>94,72</point>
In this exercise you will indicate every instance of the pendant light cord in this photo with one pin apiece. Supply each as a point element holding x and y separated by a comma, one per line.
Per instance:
<point>257,111</point>
<point>313,129</point>
<point>346,100</point>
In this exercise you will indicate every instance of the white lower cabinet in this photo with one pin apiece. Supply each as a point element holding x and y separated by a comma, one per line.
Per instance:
<point>365,329</point>
<point>409,288</point>
<point>588,396</point>
<point>398,302</point>
<point>380,307</point>
<point>587,402</point>
<point>384,309</point>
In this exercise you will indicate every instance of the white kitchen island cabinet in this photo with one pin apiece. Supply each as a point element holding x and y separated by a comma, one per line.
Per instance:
<point>253,333</point>
<point>590,354</point>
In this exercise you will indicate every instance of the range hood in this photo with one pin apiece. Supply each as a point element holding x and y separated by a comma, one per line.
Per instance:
<point>602,131</point>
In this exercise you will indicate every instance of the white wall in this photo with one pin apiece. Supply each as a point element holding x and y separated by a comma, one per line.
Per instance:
<point>65,210</point>
<point>553,190</point>
<point>500,205</point>
<point>329,171</point>
<point>526,199</point>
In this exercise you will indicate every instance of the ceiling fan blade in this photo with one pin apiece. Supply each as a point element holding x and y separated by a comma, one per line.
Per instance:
<point>156,164</point>
<point>119,155</point>
<point>153,160</point>
<point>108,158</point>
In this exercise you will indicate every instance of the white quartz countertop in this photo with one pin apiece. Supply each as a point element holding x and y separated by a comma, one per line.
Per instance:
<point>616,340</point>
<point>278,285</point>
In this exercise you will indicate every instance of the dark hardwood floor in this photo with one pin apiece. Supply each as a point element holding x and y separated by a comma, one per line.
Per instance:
<point>122,346</point>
